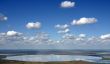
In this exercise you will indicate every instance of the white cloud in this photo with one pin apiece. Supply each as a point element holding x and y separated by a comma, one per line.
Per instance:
<point>2,34</point>
<point>79,39</point>
<point>62,27</point>
<point>3,17</point>
<point>71,37</point>
<point>17,38</point>
<point>13,33</point>
<point>42,40</point>
<point>84,20</point>
<point>39,38</point>
<point>67,4</point>
<point>11,37</point>
<point>106,36</point>
<point>68,36</point>
<point>64,31</point>
<point>82,35</point>
<point>32,25</point>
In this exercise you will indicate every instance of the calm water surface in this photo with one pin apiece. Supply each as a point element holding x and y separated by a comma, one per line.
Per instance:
<point>47,58</point>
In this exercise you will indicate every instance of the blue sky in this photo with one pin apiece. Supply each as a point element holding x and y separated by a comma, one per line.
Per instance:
<point>50,13</point>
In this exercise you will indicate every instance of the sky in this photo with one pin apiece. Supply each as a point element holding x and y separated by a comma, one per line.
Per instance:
<point>54,24</point>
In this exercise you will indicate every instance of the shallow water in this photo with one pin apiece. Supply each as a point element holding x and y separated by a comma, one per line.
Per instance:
<point>51,58</point>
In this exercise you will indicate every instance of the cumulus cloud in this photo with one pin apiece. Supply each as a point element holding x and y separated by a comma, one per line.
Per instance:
<point>84,20</point>
<point>42,40</point>
<point>62,28</point>
<point>32,25</point>
<point>106,36</point>
<point>82,35</point>
<point>68,36</point>
<point>3,17</point>
<point>58,26</point>
<point>67,4</point>
<point>17,38</point>
<point>10,37</point>
<point>64,31</point>
<point>13,33</point>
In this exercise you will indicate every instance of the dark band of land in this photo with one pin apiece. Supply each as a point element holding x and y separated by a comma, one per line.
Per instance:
<point>23,62</point>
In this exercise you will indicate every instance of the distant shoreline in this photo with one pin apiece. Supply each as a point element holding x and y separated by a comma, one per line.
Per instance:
<point>62,62</point>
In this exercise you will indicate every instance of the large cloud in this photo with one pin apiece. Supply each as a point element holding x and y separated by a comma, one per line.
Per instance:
<point>67,4</point>
<point>32,25</point>
<point>84,20</point>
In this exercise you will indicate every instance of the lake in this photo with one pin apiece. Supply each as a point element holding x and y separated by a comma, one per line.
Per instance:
<point>97,56</point>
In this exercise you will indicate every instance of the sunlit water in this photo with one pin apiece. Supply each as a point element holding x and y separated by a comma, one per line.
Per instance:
<point>51,58</point>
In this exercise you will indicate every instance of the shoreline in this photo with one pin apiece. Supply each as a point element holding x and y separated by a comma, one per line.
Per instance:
<point>26,62</point>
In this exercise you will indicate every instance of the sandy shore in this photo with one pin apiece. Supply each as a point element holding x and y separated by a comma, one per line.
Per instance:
<point>21,62</point>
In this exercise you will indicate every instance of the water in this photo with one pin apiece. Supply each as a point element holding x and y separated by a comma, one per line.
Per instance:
<point>51,58</point>
<point>97,56</point>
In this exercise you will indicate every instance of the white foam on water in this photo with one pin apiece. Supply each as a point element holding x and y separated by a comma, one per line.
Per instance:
<point>51,58</point>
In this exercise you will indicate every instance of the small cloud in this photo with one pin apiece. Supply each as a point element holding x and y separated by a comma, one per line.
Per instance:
<point>83,21</point>
<point>67,4</point>
<point>62,28</point>
<point>3,17</point>
<point>13,33</point>
<point>82,35</point>
<point>79,39</point>
<point>68,36</point>
<point>32,25</point>
<point>58,26</point>
<point>64,31</point>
